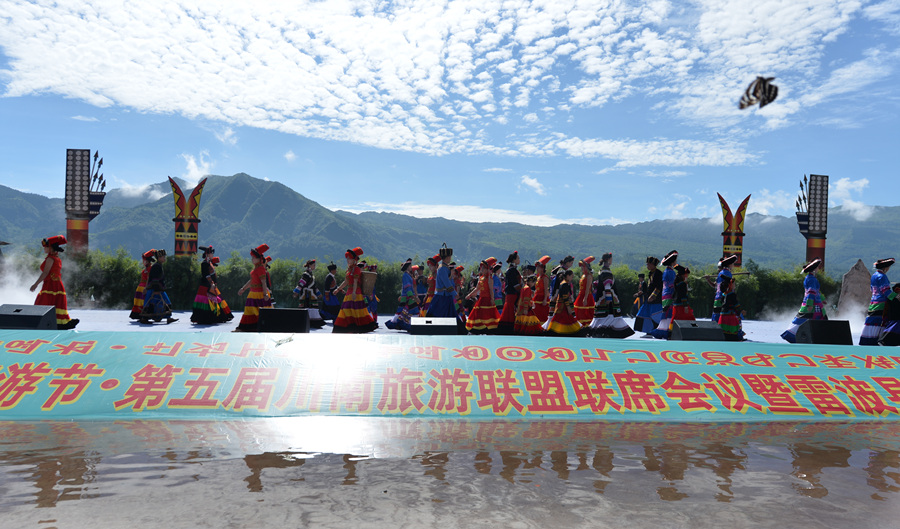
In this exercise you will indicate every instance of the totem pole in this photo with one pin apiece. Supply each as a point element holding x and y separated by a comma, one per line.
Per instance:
<point>733,235</point>
<point>812,215</point>
<point>186,219</point>
<point>84,195</point>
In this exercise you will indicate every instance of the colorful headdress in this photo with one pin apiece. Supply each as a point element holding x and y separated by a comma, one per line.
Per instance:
<point>544,260</point>
<point>355,253</point>
<point>434,260</point>
<point>490,262</point>
<point>207,250</point>
<point>160,253</point>
<point>459,269</point>
<point>405,266</point>
<point>149,255</point>
<point>727,261</point>
<point>606,257</point>
<point>587,260</point>
<point>309,263</point>
<point>332,267</point>
<point>812,265</point>
<point>512,257</point>
<point>54,242</point>
<point>670,258</point>
<point>214,261</point>
<point>682,270</point>
<point>444,251</point>
<point>652,260</point>
<point>530,269</point>
<point>567,259</point>
<point>260,251</point>
<point>881,264</point>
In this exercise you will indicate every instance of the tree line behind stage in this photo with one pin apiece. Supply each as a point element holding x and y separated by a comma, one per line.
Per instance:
<point>111,279</point>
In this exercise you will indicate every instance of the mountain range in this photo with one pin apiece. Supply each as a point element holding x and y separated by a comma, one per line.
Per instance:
<point>240,212</point>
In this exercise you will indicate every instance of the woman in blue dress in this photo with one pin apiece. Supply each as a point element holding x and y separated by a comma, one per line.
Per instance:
<point>668,296</point>
<point>881,294</point>
<point>650,313</point>
<point>813,306</point>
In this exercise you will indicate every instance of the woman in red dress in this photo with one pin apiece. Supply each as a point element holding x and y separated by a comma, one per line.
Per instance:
<point>526,321</point>
<point>512,288</point>
<point>541,291</point>
<point>354,316</point>
<point>138,304</point>
<point>52,291</point>
<point>584,303</point>
<point>483,318</point>
<point>260,296</point>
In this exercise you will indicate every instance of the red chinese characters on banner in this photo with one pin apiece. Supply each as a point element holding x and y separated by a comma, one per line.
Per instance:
<point>162,349</point>
<point>778,395</point>
<point>149,388</point>
<point>498,390</point>
<point>400,391</point>
<point>22,380</point>
<point>353,394</point>
<point>592,390</point>
<point>638,392</point>
<point>690,395</point>
<point>23,347</point>
<point>450,391</point>
<point>253,389</point>
<point>201,388</point>
<point>70,384</point>
<point>863,396</point>
<point>547,391</point>
<point>74,347</point>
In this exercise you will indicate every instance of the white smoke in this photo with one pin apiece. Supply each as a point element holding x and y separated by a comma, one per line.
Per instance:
<point>17,273</point>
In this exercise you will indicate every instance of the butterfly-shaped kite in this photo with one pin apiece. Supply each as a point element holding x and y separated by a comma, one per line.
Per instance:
<point>760,91</point>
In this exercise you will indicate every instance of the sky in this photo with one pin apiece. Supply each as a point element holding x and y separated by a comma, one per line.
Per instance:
<point>585,111</point>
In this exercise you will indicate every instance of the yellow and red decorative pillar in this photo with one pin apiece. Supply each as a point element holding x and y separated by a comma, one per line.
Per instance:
<point>733,234</point>
<point>187,213</point>
<point>812,215</point>
<point>82,202</point>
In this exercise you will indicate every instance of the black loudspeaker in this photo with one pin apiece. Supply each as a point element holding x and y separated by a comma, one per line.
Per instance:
<point>697,331</point>
<point>36,317</point>
<point>833,332</point>
<point>283,320</point>
<point>426,325</point>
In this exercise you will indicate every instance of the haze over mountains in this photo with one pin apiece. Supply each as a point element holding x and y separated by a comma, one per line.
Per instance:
<point>239,212</point>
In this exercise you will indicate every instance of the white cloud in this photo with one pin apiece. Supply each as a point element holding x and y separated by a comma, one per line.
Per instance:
<point>197,168</point>
<point>227,136</point>
<point>497,170</point>
<point>85,118</point>
<point>473,214</point>
<point>840,193</point>
<point>533,184</point>
<point>146,190</point>
<point>290,156</point>
<point>767,202</point>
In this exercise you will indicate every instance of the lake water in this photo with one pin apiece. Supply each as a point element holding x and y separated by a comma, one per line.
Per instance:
<point>412,472</point>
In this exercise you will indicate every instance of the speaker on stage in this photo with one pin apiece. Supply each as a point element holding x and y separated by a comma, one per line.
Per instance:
<point>426,325</point>
<point>34,317</point>
<point>283,320</point>
<point>832,332</point>
<point>697,331</point>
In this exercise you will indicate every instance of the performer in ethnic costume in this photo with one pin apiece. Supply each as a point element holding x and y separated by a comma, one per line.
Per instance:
<point>408,302</point>
<point>156,301</point>
<point>558,273</point>
<point>725,265</point>
<point>563,321</point>
<point>497,281</point>
<point>309,295</point>
<point>209,308</point>
<point>431,281</point>
<point>813,307</point>
<point>353,317</point>
<point>260,295</point>
<point>331,304</point>
<point>668,296</point>
<point>891,333</point>
<point>138,305</point>
<point>584,303</point>
<point>371,300</point>
<point>608,321</point>
<point>52,290</point>
<point>640,297</point>
<point>541,290</point>
<point>527,323</point>
<point>483,318</point>
<point>651,312</point>
<point>681,310</point>
<point>881,293</point>
<point>513,285</point>
<point>730,313</point>
<point>443,303</point>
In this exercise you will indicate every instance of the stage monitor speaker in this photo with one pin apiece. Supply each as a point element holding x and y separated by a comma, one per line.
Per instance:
<point>831,332</point>
<point>283,320</point>
<point>33,317</point>
<point>426,325</point>
<point>697,331</point>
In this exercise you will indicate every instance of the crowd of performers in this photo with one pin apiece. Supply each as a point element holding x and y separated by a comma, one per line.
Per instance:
<point>530,301</point>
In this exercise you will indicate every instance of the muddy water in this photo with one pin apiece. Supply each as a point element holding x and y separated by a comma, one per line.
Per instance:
<point>357,472</point>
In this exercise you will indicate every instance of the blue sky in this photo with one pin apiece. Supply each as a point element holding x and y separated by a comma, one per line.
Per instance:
<point>593,112</point>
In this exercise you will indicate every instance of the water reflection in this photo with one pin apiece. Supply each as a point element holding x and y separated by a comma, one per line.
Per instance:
<point>60,462</point>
